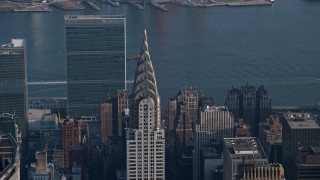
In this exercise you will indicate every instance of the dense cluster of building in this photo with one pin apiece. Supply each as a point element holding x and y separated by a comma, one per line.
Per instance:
<point>105,131</point>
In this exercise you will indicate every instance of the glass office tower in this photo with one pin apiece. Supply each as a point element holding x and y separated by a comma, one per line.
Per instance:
<point>96,66</point>
<point>13,78</point>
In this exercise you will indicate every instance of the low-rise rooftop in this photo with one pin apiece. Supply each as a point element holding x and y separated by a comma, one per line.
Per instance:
<point>243,146</point>
<point>301,120</point>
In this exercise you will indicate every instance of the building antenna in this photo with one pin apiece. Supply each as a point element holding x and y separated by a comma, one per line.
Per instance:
<point>144,14</point>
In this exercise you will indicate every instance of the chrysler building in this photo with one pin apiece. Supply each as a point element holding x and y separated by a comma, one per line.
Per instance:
<point>146,137</point>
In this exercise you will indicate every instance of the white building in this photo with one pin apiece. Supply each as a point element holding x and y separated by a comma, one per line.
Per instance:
<point>241,152</point>
<point>216,123</point>
<point>146,140</point>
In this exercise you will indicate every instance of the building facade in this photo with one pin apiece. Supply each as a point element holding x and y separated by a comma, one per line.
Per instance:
<point>188,99</point>
<point>241,152</point>
<point>106,122</point>
<point>306,163</point>
<point>13,82</point>
<point>251,104</point>
<point>96,61</point>
<point>8,125</point>
<point>271,138</point>
<point>41,170</point>
<point>71,138</point>
<point>215,124</point>
<point>298,129</point>
<point>146,140</point>
<point>263,172</point>
<point>50,134</point>
<point>9,157</point>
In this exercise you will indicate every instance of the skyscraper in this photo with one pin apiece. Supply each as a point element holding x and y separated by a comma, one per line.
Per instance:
<point>298,129</point>
<point>112,114</point>
<point>250,104</point>
<point>13,78</point>
<point>106,122</point>
<point>50,134</point>
<point>71,138</point>
<point>8,125</point>
<point>186,106</point>
<point>146,140</point>
<point>96,64</point>
<point>215,124</point>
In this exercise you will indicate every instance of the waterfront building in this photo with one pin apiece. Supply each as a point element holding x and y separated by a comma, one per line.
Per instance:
<point>13,82</point>
<point>298,129</point>
<point>271,138</point>
<point>233,102</point>
<point>96,61</point>
<point>9,157</point>
<point>216,123</point>
<point>241,152</point>
<point>145,147</point>
<point>250,104</point>
<point>306,163</point>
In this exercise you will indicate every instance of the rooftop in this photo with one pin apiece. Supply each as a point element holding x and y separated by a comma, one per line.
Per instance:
<point>249,146</point>
<point>15,43</point>
<point>220,108</point>
<point>301,120</point>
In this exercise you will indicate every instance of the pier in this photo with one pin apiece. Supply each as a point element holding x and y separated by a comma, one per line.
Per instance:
<point>67,5</point>
<point>133,58</point>
<point>159,6</point>
<point>113,3</point>
<point>93,5</point>
<point>34,8</point>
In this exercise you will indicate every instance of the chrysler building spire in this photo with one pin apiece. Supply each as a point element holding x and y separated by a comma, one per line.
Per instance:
<point>145,85</point>
<point>146,138</point>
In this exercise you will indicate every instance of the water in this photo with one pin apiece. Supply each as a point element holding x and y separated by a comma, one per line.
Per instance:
<point>209,48</point>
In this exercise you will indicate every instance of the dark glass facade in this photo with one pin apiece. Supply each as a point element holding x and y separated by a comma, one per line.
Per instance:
<point>96,66</point>
<point>13,78</point>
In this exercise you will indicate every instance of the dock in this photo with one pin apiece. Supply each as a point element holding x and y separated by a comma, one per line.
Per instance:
<point>34,8</point>
<point>159,6</point>
<point>113,3</point>
<point>250,3</point>
<point>139,6</point>
<point>67,5</point>
<point>93,5</point>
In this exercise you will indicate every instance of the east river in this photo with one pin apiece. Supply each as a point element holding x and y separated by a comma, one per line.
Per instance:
<point>212,49</point>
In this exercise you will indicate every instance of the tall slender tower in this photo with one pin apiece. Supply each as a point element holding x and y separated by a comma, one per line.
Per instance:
<point>13,78</point>
<point>145,141</point>
<point>95,61</point>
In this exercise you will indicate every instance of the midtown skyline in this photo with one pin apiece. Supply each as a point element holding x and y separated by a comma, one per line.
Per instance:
<point>135,128</point>
<point>284,64</point>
